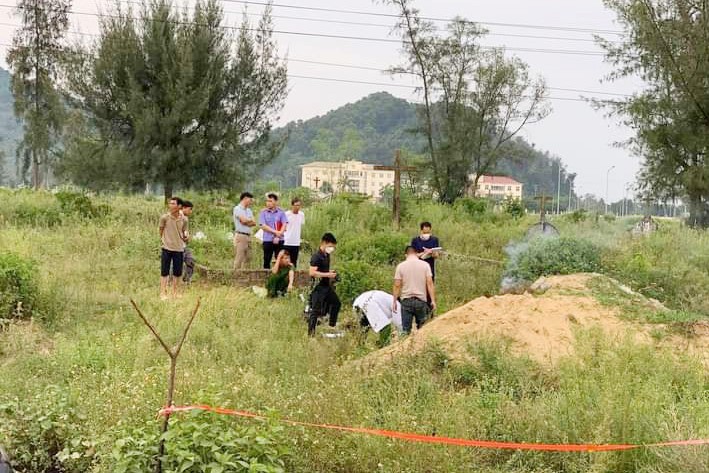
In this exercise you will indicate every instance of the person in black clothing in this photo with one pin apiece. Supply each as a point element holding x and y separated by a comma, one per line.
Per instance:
<point>323,299</point>
<point>424,243</point>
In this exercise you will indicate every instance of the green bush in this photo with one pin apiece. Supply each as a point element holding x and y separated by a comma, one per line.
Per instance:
<point>513,207</point>
<point>382,248</point>
<point>578,216</point>
<point>472,206</point>
<point>30,214</point>
<point>357,277</point>
<point>548,256</point>
<point>75,203</point>
<point>42,434</point>
<point>18,286</point>
<point>202,442</point>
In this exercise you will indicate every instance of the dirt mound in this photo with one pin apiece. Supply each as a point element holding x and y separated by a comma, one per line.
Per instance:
<point>541,325</point>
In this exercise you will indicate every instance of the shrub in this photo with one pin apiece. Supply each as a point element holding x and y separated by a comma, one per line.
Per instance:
<point>80,204</point>
<point>18,286</point>
<point>357,277</point>
<point>42,434</point>
<point>200,442</point>
<point>30,214</point>
<point>548,256</point>
<point>382,248</point>
<point>471,206</point>
<point>513,207</point>
<point>578,216</point>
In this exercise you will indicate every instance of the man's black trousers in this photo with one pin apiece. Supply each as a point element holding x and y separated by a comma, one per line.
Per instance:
<point>323,301</point>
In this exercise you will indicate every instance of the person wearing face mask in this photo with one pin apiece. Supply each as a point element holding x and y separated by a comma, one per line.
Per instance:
<point>323,299</point>
<point>424,245</point>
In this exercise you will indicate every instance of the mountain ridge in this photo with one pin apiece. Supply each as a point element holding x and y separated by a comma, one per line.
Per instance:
<point>370,129</point>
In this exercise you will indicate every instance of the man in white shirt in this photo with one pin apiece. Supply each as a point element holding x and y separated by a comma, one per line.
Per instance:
<point>375,308</point>
<point>291,240</point>
<point>243,222</point>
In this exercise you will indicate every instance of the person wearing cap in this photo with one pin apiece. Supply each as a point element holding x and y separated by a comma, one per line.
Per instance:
<point>413,286</point>
<point>243,222</point>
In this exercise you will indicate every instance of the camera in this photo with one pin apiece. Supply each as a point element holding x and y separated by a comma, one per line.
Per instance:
<point>337,278</point>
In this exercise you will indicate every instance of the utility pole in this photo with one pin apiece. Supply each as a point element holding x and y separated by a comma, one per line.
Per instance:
<point>397,168</point>
<point>558,189</point>
<point>608,173</point>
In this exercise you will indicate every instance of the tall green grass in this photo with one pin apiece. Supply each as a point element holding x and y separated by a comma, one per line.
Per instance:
<point>250,353</point>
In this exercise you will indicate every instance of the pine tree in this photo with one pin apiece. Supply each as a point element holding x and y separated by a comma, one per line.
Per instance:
<point>170,102</point>
<point>667,45</point>
<point>34,59</point>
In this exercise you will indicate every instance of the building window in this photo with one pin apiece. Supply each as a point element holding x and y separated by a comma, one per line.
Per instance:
<point>518,189</point>
<point>487,187</point>
<point>509,188</point>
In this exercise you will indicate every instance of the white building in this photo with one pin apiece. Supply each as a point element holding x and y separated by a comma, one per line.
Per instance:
<point>497,187</point>
<point>347,176</point>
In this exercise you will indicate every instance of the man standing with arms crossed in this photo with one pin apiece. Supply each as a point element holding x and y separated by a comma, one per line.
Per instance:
<point>173,235</point>
<point>413,284</point>
<point>243,221</point>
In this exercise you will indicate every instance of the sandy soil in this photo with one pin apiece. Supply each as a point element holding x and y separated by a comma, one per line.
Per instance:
<point>540,326</point>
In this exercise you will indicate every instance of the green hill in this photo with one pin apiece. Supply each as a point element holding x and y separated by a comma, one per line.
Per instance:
<point>371,129</point>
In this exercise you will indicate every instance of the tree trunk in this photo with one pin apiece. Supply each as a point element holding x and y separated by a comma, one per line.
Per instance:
<point>167,186</point>
<point>35,170</point>
<point>698,212</point>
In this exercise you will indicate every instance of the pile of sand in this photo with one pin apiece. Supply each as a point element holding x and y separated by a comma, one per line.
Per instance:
<point>540,325</point>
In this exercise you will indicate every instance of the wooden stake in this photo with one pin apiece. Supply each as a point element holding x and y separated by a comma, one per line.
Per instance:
<point>173,353</point>
<point>397,168</point>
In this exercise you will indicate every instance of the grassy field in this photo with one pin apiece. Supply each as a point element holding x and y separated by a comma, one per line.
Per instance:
<point>90,376</point>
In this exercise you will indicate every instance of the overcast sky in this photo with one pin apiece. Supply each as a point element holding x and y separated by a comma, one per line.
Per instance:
<point>582,137</point>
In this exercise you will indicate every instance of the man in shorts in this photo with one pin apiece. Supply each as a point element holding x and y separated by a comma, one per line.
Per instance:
<point>173,235</point>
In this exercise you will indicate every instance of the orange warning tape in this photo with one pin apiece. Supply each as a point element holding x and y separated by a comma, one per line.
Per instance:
<point>443,440</point>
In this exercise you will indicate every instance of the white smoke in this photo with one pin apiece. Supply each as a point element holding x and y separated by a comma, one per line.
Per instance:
<point>510,283</point>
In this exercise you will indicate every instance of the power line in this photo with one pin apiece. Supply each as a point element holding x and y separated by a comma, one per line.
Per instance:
<point>352,81</point>
<point>391,15</point>
<point>374,69</point>
<point>356,38</point>
<point>380,25</point>
<point>352,66</point>
<point>383,84</point>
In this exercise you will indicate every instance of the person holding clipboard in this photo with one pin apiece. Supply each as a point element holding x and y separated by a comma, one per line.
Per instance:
<point>427,246</point>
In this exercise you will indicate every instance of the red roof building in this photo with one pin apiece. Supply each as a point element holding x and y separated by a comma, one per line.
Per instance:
<point>498,187</point>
